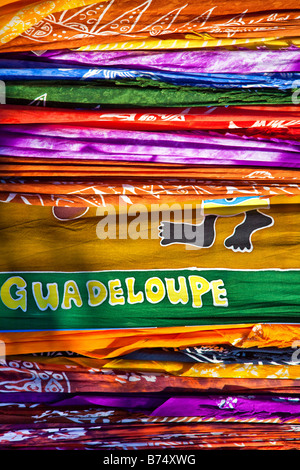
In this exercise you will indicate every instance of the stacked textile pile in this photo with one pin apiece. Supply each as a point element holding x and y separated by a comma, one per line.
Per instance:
<point>149,256</point>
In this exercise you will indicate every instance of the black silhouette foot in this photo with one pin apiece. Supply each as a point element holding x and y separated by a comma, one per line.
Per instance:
<point>240,240</point>
<point>200,235</point>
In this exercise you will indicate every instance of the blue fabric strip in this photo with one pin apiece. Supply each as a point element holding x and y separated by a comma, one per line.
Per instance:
<point>19,70</point>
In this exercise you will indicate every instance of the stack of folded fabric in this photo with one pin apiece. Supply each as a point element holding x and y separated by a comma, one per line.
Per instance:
<point>150,247</point>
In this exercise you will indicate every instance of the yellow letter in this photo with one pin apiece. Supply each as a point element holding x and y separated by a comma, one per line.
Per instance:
<point>115,292</point>
<point>217,292</point>
<point>160,292</point>
<point>177,296</point>
<point>198,291</point>
<point>97,293</point>
<point>132,297</point>
<point>71,292</point>
<point>51,299</point>
<point>21,296</point>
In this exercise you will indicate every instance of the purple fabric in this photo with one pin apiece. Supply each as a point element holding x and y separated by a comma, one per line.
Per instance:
<point>126,137</point>
<point>162,147</point>
<point>222,406</point>
<point>31,397</point>
<point>114,401</point>
<point>205,157</point>
<point>204,406</point>
<point>197,61</point>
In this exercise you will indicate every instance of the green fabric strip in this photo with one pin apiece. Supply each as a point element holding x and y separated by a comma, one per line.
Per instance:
<point>150,298</point>
<point>128,93</point>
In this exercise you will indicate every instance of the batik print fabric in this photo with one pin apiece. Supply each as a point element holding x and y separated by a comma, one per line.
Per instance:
<point>187,436</point>
<point>215,354</point>
<point>21,366</point>
<point>237,370</point>
<point>65,412</point>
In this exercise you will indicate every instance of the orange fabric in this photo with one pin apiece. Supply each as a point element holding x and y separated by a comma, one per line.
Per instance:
<point>118,20</point>
<point>261,175</point>
<point>112,343</point>
<point>92,194</point>
<point>8,2</point>
<point>17,17</point>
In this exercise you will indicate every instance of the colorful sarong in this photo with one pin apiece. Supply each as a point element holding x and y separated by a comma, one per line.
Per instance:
<point>116,20</point>
<point>219,60</point>
<point>65,291</point>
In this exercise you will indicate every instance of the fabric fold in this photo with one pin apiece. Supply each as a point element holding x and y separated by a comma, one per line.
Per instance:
<point>218,60</point>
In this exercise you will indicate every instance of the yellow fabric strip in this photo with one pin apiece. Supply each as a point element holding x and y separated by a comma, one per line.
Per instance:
<point>237,371</point>
<point>16,19</point>
<point>55,245</point>
<point>191,42</point>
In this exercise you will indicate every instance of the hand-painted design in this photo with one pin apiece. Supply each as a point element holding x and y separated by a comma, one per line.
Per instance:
<point>99,20</point>
<point>260,174</point>
<point>56,354</point>
<point>76,416</point>
<point>109,74</point>
<point>15,436</point>
<point>236,21</point>
<point>98,195</point>
<point>42,99</point>
<point>163,117</point>
<point>203,235</point>
<point>25,376</point>
<point>191,42</point>
<point>194,23</point>
<point>16,18</point>
<point>88,21</point>
<point>240,240</point>
<point>165,433</point>
<point>240,23</point>
<point>39,30</point>
<point>64,18</point>
<point>145,117</point>
<point>101,10</point>
<point>68,213</point>
<point>66,434</point>
<point>164,23</point>
<point>126,22</point>
<point>226,354</point>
